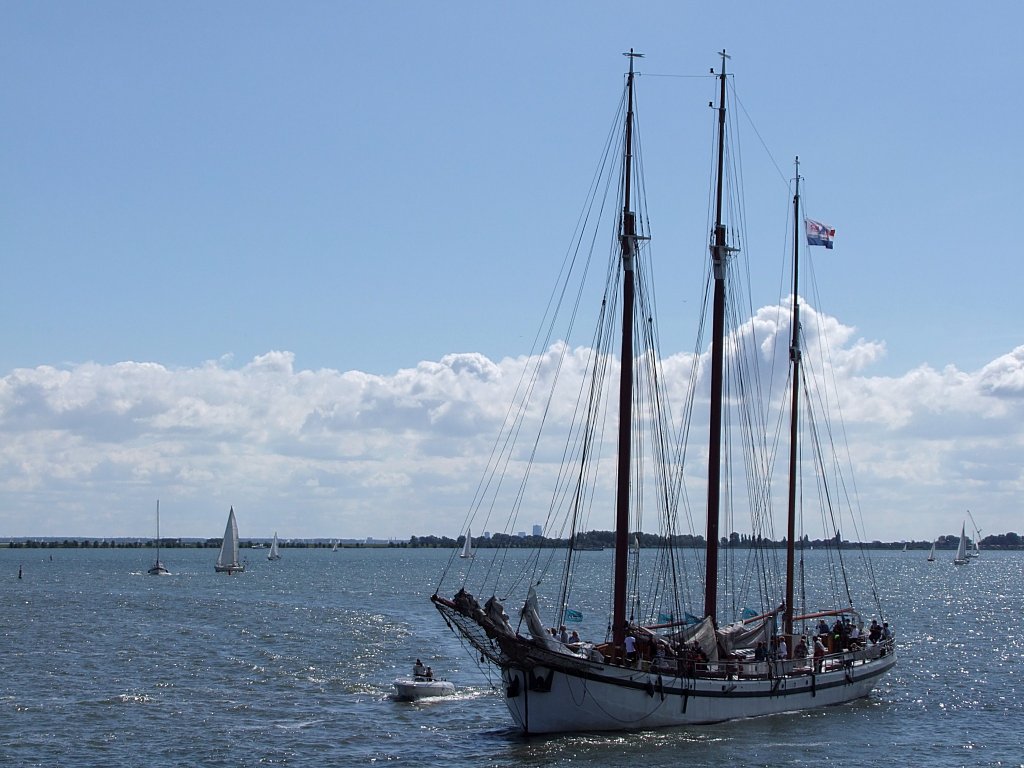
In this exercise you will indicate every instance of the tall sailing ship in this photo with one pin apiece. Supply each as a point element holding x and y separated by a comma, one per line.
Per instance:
<point>678,649</point>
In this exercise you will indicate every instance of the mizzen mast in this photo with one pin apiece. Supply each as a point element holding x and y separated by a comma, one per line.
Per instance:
<point>794,358</point>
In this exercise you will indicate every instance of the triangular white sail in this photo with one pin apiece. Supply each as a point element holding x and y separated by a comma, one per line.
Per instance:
<point>931,555</point>
<point>467,547</point>
<point>961,550</point>
<point>274,554</point>
<point>227,560</point>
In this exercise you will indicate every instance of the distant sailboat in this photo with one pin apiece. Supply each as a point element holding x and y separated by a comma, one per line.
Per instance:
<point>931,555</point>
<point>977,535</point>
<point>227,560</point>
<point>961,550</point>
<point>335,547</point>
<point>904,547</point>
<point>467,546</point>
<point>274,554</point>
<point>158,567</point>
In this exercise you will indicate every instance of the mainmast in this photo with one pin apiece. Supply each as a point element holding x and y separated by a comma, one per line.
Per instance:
<point>627,241</point>
<point>794,357</point>
<point>719,257</point>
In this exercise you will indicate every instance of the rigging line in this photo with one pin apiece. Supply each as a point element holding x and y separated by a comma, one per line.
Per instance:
<point>513,419</point>
<point>853,499</point>
<point>681,77</point>
<point>757,133</point>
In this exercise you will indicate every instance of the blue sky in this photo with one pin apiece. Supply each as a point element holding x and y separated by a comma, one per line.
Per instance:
<point>219,218</point>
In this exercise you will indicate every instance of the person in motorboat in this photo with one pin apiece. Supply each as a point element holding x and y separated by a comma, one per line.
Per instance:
<point>418,670</point>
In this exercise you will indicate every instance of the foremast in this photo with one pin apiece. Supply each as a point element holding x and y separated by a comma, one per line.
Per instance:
<point>719,259</point>
<point>628,243</point>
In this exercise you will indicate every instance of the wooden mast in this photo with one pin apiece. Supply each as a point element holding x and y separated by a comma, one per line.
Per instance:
<point>719,258</point>
<point>627,242</point>
<point>794,357</point>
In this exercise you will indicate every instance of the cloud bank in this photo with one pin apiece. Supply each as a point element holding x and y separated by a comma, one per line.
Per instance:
<point>88,449</point>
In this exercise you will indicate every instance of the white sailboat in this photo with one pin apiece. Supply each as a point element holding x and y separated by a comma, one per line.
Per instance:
<point>658,665</point>
<point>467,545</point>
<point>158,568</point>
<point>961,550</point>
<point>274,554</point>
<point>227,559</point>
<point>974,551</point>
<point>931,554</point>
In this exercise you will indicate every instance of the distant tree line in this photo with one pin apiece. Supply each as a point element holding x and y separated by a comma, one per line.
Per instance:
<point>188,544</point>
<point>582,541</point>
<point>606,540</point>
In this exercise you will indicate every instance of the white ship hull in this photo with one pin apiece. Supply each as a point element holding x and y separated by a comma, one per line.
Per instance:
<point>597,697</point>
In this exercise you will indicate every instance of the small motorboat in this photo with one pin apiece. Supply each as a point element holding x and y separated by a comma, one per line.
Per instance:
<point>422,684</point>
<point>418,687</point>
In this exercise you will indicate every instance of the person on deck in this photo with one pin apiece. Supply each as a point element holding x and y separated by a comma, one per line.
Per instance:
<point>630,643</point>
<point>819,654</point>
<point>801,649</point>
<point>874,632</point>
<point>418,670</point>
<point>783,649</point>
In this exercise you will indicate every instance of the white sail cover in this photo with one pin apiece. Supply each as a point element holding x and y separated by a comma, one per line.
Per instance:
<point>229,547</point>
<point>531,614</point>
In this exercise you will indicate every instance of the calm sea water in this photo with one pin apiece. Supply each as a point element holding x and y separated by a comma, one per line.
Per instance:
<point>291,663</point>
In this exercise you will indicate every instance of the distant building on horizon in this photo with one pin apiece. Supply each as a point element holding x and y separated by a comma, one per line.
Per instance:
<point>538,530</point>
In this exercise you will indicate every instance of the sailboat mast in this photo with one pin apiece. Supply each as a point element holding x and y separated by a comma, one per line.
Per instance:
<point>627,240</point>
<point>794,357</point>
<point>719,257</point>
<point>158,531</point>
